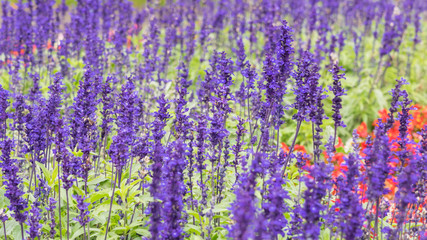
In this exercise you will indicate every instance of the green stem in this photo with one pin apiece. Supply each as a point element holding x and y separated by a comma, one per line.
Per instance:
<point>4,230</point>
<point>111,205</point>
<point>22,231</point>
<point>59,203</point>
<point>68,214</point>
<point>292,147</point>
<point>376,218</point>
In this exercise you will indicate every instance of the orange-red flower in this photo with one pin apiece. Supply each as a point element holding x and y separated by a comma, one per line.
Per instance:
<point>298,148</point>
<point>362,130</point>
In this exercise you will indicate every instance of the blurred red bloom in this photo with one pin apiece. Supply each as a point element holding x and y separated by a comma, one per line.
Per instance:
<point>362,130</point>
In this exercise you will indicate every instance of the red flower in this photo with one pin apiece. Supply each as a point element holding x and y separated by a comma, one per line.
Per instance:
<point>285,147</point>
<point>298,148</point>
<point>391,184</point>
<point>340,144</point>
<point>362,130</point>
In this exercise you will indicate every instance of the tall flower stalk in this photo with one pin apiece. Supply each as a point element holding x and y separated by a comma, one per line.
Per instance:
<point>161,116</point>
<point>13,181</point>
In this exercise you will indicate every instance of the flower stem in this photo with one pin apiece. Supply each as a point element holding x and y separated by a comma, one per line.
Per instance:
<point>111,205</point>
<point>4,230</point>
<point>59,203</point>
<point>22,231</point>
<point>68,214</point>
<point>376,218</point>
<point>292,147</point>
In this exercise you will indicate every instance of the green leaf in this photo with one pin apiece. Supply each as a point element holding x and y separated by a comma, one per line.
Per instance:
<point>193,213</point>
<point>222,207</point>
<point>77,233</point>
<point>98,195</point>
<point>13,226</point>
<point>190,228</point>
<point>47,174</point>
<point>120,230</point>
<point>196,237</point>
<point>143,232</point>
<point>325,234</point>
<point>97,180</point>
<point>3,200</point>
<point>54,175</point>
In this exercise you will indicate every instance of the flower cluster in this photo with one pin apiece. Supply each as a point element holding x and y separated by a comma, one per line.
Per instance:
<point>171,119</point>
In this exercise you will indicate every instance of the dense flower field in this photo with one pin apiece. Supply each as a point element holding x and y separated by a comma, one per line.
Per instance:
<point>228,119</point>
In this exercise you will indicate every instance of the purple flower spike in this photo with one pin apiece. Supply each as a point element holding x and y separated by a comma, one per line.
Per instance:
<point>274,205</point>
<point>34,221</point>
<point>4,104</point>
<point>244,209</point>
<point>158,155</point>
<point>338,91</point>
<point>174,190</point>
<point>82,206</point>
<point>12,181</point>
<point>351,215</point>
<point>317,187</point>
<point>285,51</point>
<point>306,80</point>
<point>51,212</point>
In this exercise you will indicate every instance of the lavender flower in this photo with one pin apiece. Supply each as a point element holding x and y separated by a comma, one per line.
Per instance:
<point>19,118</point>
<point>44,26</point>
<point>270,84</point>
<point>390,34</point>
<point>222,83</point>
<point>36,133</point>
<point>62,156</point>
<point>306,81</point>
<point>53,105</point>
<point>12,181</point>
<point>4,104</point>
<point>174,189</point>
<point>247,87</point>
<point>241,62</point>
<point>404,118</point>
<point>338,91</point>
<point>285,53</point>
<point>119,152</point>
<point>51,212</point>
<point>216,86</point>
<point>421,165</point>
<point>313,207</point>
<point>190,36</point>
<point>351,212</point>
<point>83,120</point>
<point>7,23</point>
<point>296,223</point>
<point>274,204</point>
<point>201,145</point>
<point>237,148</point>
<point>318,121</point>
<point>82,206</point>
<point>158,155</point>
<point>35,93</point>
<point>408,175</point>
<point>34,221</point>
<point>123,22</point>
<point>377,158</point>
<point>396,93</point>
<point>244,209</point>
<point>107,106</point>
<point>181,121</point>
